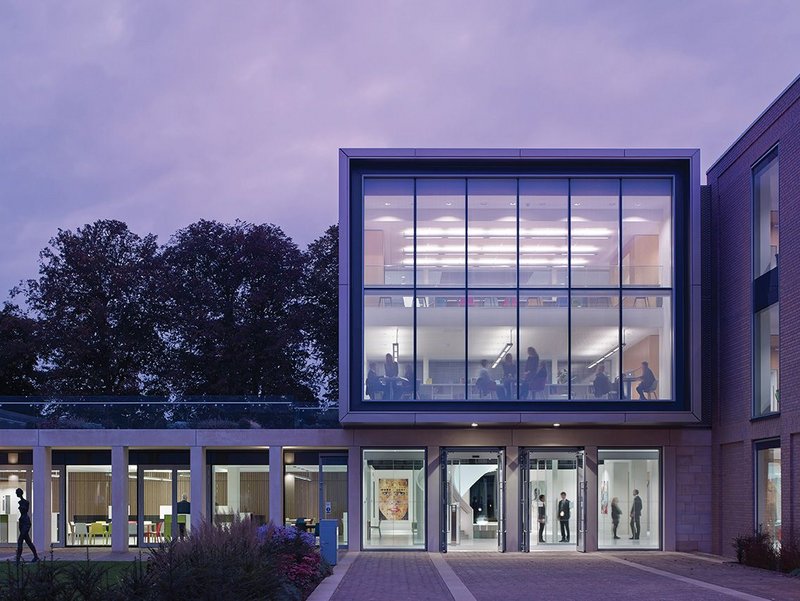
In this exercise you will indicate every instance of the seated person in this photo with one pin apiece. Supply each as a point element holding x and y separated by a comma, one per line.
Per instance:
<point>648,381</point>
<point>484,382</point>
<point>601,384</point>
<point>373,386</point>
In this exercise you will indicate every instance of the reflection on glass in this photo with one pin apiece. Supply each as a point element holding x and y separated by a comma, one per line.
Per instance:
<point>492,243</point>
<point>441,242</point>
<point>543,255</point>
<point>594,233</point>
<point>440,346</point>
<point>388,345</point>
<point>388,232</point>
<point>766,357</point>
<point>768,490</point>
<point>492,335</point>
<point>240,491</point>
<point>765,229</point>
<point>88,510</point>
<point>393,510</point>
<point>595,342</point>
<point>646,232</point>
<point>629,499</point>
<point>647,348</point>
<point>543,324</point>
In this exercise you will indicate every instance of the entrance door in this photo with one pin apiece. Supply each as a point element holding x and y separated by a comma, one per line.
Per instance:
<point>164,503</point>
<point>333,491</point>
<point>473,489</point>
<point>552,521</point>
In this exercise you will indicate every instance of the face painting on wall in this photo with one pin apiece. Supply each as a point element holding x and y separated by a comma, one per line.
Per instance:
<point>393,498</point>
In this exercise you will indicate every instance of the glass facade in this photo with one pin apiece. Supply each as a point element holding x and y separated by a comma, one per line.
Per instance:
<point>765,214</point>
<point>240,492</point>
<point>518,289</point>
<point>768,488</point>
<point>88,504</point>
<point>12,477</point>
<point>766,359</point>
<point>393,499</point>
<point>629,499</point>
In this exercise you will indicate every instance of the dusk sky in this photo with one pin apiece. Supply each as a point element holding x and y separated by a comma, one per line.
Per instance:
<point>163,113</point>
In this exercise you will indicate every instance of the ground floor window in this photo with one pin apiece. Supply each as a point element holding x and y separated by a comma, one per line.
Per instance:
<point>393,498</point>
<point>768,488</point>
<point>629,498</point>
<point>12,477</point>
<point>239,485</point>
<point>88,509</point>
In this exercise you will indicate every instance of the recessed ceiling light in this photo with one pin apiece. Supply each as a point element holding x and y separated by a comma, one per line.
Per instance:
<point>577,204</point>
<point>387,204</point>
<point>556,425</point>
<point>513,204</point>
<point>474,425</point>
<point>449,204</point>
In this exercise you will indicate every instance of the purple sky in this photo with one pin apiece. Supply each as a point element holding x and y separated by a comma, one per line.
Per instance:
<point>161,113</point>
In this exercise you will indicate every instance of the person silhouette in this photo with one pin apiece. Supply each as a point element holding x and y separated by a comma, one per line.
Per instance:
<point>24,527</point>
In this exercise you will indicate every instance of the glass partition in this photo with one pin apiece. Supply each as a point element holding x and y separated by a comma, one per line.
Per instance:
<point>393,502</point>
<point>629,498</point>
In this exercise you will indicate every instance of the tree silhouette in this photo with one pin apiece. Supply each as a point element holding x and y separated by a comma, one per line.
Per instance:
<point>18,352</point>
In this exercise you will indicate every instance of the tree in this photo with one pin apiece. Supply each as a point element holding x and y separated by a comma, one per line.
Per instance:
<point>233,295</point>
<point>320,282</point>
<point>98,318</point>
<point>18,352</point>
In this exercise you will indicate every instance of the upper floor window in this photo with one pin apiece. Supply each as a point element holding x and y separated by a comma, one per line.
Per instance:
<point>765,213</point>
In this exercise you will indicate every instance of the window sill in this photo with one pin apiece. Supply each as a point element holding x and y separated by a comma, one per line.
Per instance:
<point>758,418</point>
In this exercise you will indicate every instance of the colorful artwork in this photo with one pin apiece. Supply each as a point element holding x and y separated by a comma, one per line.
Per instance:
<point>604,497</point>
<point>393,498</point>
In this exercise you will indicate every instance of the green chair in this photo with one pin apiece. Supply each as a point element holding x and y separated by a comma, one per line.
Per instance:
<point>167,533</point>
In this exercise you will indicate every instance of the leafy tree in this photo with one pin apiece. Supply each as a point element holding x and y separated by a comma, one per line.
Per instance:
<point>97,315</point>
<point>321,279</point>
<point>233,296</point>
<point>18,352</point>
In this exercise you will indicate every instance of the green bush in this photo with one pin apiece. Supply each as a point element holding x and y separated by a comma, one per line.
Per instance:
<point>760,550</point>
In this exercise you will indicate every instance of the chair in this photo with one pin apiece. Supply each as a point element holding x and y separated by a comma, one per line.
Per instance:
<point>131,531</point>
<point>486,388</point>
<point>157,534</point>
<point>652,392</point>
<point>97,529</point>
<point>81,532</point>
<point>70,533</point>
<point>167,530</point>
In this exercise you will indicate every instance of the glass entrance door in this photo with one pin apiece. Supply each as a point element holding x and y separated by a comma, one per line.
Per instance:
<point>333,491</point>
<point>554,493</point>
<point>473,487</point>
<point>163,496</point>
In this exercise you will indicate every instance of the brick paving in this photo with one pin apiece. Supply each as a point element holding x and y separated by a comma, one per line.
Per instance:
<point>391,576</point>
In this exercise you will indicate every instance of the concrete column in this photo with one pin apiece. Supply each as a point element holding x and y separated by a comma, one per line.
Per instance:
<point>354,500</point>
<point>592,509</point>
<point>119,499</point>
<point>199,490</point>
<point>669,498</point>
<point>276,484</point>
<point>512,505</point>
<point>434,502</point>
<point>41,509</point>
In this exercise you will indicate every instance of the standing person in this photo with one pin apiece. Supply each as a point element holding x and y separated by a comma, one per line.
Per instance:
<point>542,513</point>
<point>184,508</point>
<point>531,369</point>
<point>390,370</point>
<point>648,381</point>
<point>509,377</point>
<point>24,527</point>
<point>636,515</point>
<point>616,512</point>
<point>563,517</point>
<point>601,384</point>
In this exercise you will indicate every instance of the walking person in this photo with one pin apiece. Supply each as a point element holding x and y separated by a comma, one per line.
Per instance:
<point>542,517</point>
<point>616,512</point>
<point>636,515</point>
<point>563,517</point>
<point>24,527</point>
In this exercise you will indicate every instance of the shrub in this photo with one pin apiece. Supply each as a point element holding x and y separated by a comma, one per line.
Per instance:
<point>757,550</point>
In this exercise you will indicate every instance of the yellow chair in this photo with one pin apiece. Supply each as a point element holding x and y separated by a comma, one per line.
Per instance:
<point>97,529</point>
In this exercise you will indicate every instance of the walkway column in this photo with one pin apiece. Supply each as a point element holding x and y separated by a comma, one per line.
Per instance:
<point>512,504</point>
<point>199,490</point>
<point>42,511</point>
<point>592,510</point>
<point>354,501</point>
<point>119,499</point>
<point>433,483</point>
<point>276,484</point>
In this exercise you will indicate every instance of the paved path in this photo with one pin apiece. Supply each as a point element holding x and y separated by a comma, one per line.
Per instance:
<point>648,576</point>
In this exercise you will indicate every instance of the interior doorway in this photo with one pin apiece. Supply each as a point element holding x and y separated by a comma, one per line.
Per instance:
<point>554,500</point>
<point>473,503</point>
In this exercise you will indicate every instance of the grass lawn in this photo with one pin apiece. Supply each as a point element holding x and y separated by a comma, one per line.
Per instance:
<point>114,569</point>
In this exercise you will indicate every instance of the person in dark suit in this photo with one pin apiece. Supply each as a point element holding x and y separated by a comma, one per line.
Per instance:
<point>509,377</point>
<point>374,387</point>
<point>601,384</point>
<point>616,512</point>
<point>24,527</point>
<point>648,381</point>
<point>528,376</point>
<point>636,515</point>
<point>563,517</point>
<point>542,519</point>
<point>184,507</point>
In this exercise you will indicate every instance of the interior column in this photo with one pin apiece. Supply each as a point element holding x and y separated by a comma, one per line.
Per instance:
<point>119,499</point>
<point>198,500</point>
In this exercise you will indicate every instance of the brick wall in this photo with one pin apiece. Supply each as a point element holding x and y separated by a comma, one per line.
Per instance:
<point>733,431</point>
<point>693,499</point>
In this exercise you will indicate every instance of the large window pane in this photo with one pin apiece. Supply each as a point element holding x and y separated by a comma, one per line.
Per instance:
<point>766,372</point>
<point>388,232</point>
<point>492,231</point>
<point>440,346</point>
<point>393,510</point>
<point>543,232</point>
<point>768,488</point>
<point>89,505</point>
<point>629,499</point>
<point>240,491</point>
<point>492,335</point>
<point>765,229</point>
<point>595,342</point>
<point>441,241</point>
<point>646,232</point>
<point>595,232</point>
<point>647,345</point>
<point>12,478</point>
<point>543,350</point>
<point>388,345</point>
